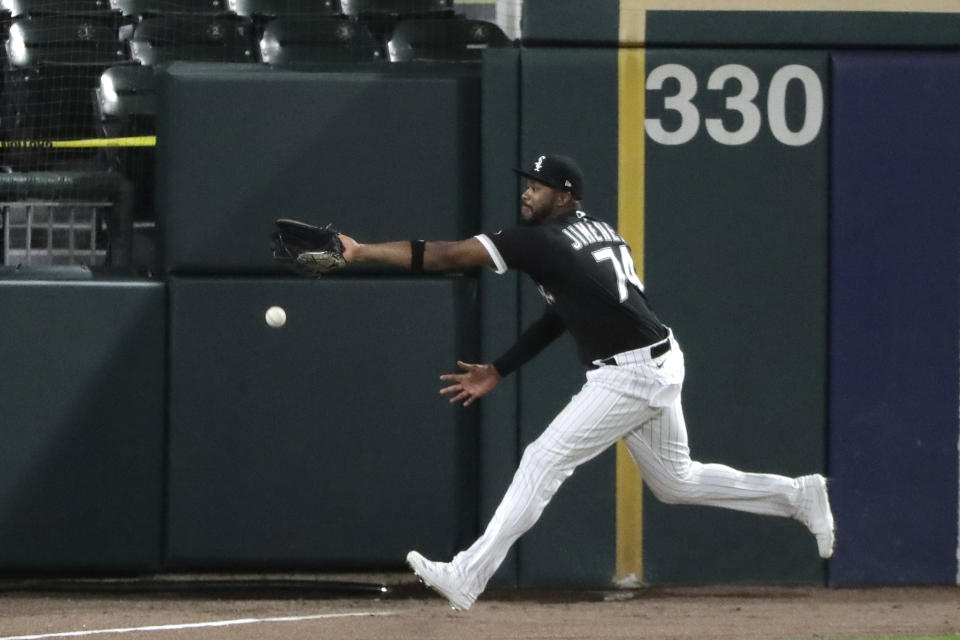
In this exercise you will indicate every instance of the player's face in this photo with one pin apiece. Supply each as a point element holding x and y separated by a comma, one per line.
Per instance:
<point>539,201</point>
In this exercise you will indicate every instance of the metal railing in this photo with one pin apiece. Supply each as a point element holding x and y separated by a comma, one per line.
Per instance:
<point>66,219</point>
<point>53,233</point>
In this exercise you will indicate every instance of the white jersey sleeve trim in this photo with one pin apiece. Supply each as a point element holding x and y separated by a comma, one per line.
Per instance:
<point>501,264</point>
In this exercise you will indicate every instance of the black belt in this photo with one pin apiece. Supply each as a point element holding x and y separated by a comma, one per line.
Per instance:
<point>656,351</point>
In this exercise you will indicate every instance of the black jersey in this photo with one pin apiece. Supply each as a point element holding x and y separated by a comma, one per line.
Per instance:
<point>585,271</point>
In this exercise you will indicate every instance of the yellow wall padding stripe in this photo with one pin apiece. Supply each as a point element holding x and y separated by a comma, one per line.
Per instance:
<point>631,70</point>
<point>132,141</point>
<point>633,13</point>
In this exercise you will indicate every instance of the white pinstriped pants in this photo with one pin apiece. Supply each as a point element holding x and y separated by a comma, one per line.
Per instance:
<point>637,400</point>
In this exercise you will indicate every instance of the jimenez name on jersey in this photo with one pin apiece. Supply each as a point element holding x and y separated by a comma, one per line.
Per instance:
<point>585,271</point>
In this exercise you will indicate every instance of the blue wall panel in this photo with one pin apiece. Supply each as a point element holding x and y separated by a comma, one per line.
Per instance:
<point>895,272</point>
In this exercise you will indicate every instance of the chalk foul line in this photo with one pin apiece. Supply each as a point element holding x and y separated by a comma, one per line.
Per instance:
<point>196,625</point>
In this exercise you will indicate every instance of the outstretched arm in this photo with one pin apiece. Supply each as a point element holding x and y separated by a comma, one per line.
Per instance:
<point>437,255</point>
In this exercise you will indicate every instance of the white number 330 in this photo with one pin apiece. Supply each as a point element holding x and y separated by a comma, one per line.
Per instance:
<point>622,267</point>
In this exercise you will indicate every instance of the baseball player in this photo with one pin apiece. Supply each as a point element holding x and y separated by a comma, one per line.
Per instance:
<point>586,274</point>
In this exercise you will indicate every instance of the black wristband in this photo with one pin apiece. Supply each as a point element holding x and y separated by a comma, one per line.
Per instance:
<point>417,248</point>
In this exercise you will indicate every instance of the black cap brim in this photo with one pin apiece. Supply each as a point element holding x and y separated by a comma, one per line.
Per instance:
<point>533,176</point>
<point>538,178</point>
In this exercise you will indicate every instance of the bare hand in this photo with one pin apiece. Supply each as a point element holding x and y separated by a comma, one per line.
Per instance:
<point>350,247</point>
<point>478,381</point>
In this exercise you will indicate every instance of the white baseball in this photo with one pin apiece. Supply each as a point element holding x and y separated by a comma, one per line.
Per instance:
<point>276,317</point>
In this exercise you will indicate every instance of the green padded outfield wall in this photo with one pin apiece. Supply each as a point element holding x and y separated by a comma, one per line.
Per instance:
<point>743,23</point>
<point>741,279</point>
<point>323,443</point>
<point>316,463</point>
<point>726,199</point>
<point>735,261</point>
<point>381,152</point>
<point>81,464</point>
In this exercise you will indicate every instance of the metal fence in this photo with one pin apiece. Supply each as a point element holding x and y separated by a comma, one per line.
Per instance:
<point>48,233</point>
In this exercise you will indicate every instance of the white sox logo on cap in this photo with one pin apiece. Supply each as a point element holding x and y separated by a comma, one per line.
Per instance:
<point>559,172</point>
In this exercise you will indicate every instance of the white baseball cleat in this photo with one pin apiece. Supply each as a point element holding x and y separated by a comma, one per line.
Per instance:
<point>443,578</point>
<point>814,511</point>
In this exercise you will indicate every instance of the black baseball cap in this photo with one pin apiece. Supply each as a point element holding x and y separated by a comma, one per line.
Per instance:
<point>559,172</point>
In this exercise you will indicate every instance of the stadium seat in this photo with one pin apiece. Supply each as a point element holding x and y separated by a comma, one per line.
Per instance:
<point>18,8</point>
<point>60,41</point>
<point>306,41</point>
<point>170,7</point>
<point>54,64</point>
<point>163,39</point>
<point>382,16</point>
<point>278,8</point>
<point>125,93</point>
<point>260,12</point>
<point>451,40</point>
<point>396,7</point>
<point>132,12</point>
<point>127,106</point>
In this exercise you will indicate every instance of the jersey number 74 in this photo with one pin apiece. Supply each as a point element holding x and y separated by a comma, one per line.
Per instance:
<point>622,267</point>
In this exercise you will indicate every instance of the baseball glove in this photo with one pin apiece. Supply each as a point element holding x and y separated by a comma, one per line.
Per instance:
<point>308,250</point>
